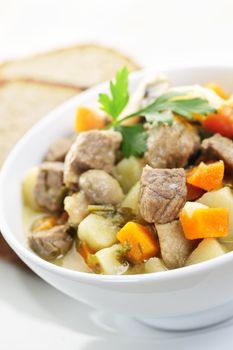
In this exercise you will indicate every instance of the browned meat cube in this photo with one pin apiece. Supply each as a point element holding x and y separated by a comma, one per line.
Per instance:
<point>175,248</point>
<point>219,147</point>
<point>172,146</point>
<point>52,243</point>
<point>49,190</point>
<point>92,150</point>
<point>162,194</point>
<point>58,149</point>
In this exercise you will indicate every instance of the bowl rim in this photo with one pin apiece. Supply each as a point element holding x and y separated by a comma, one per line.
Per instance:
<point>24,252</point>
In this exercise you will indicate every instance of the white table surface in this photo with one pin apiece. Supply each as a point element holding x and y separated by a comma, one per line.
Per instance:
<point>33,315</point>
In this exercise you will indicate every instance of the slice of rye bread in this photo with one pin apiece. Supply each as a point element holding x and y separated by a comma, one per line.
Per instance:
<point>22,103</point>
<point>79,66</point>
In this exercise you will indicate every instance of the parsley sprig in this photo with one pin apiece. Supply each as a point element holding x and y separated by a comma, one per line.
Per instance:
<point>160,111</point>
<point>134,137</point>
<point>114,104</point>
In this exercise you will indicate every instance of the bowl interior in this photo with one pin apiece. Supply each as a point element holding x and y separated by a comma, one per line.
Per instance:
<point>32,147</point>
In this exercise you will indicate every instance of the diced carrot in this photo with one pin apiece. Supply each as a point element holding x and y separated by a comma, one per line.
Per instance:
<point>88,256</point>
<point>83,250</point>
<point>193,192</point>
<point>220,122</point>
<point>207,176</point>
<point>87,119</point>
<point>199,117</point>
<point>199,221</point>
<point>44,223</point>
<point>218,90</point>
<point>140,241</point>
<point>131,121</point>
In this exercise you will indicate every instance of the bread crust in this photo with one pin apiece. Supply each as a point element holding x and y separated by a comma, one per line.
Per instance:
<point>102,69</point>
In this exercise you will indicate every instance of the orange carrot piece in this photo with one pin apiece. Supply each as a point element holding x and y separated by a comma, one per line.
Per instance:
<point>207,176</point>
<point>86,119</point>
<point>44,223</point>
<point>205,223</point>
<point>131,121</point>
<point>220,122</point>
<point>88,256</point>
<point>218,90</point>
<point>140,240</point>
<point>193,192</point>
<point>83,250</point>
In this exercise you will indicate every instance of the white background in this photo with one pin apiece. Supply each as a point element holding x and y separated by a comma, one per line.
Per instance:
<point>32,314</point>
<point>150,30</point>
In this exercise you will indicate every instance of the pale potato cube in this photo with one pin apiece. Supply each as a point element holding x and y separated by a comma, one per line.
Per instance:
<point>76,207</point>
<point>190,207</point>
<point>28,187</point>
<point>110,260</point>
<point>154,265</point>
<point>98,232</point>
<point>208,249</point>
<point>222,198</point>
<point>128,172</point>
<point>132,199</point>
<point>150,266</point>
<point>136,269</point>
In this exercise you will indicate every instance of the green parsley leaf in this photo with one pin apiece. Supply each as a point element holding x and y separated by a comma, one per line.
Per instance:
<point>160,118</point>
<point>187,106</point>
<point>178,103</point>
<point>134,140</point>
<point>114,104</point>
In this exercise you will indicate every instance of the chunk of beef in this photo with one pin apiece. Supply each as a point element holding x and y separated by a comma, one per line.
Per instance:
<point>52,243</point>
<point>175,248</point>
<point>100,187</point>
<point>172,146</point>
<point>92,150</point>
<point>49,189</point>
<point>162,194</point>
<point>219,147</point>
<point>58,149</point>
<point>76,206</point>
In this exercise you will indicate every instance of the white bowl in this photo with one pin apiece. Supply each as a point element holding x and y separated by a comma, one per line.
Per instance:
<point>185,298</point>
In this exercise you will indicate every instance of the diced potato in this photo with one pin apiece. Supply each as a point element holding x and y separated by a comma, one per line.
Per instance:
<point>72,260</point>
<point>150,266</point>
<point>98,232</point>
<point>190,207</point>
<point>208,249</point>
<point>128,172</point>
<point>154,265</point>
<point>222,198</point>
<point>227,245</point>
<point>136,269</point>
<point>29,183</point>
<point>110,260</point>
<point>132,199</point>
<point>76,206</point>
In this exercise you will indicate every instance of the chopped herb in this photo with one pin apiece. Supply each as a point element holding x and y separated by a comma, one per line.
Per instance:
<point>178,103</point>
<point>134,139</point>
<point>114,104</point>
<point>101,208</point>
<point>160,118</point>
<point>158,112</point>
